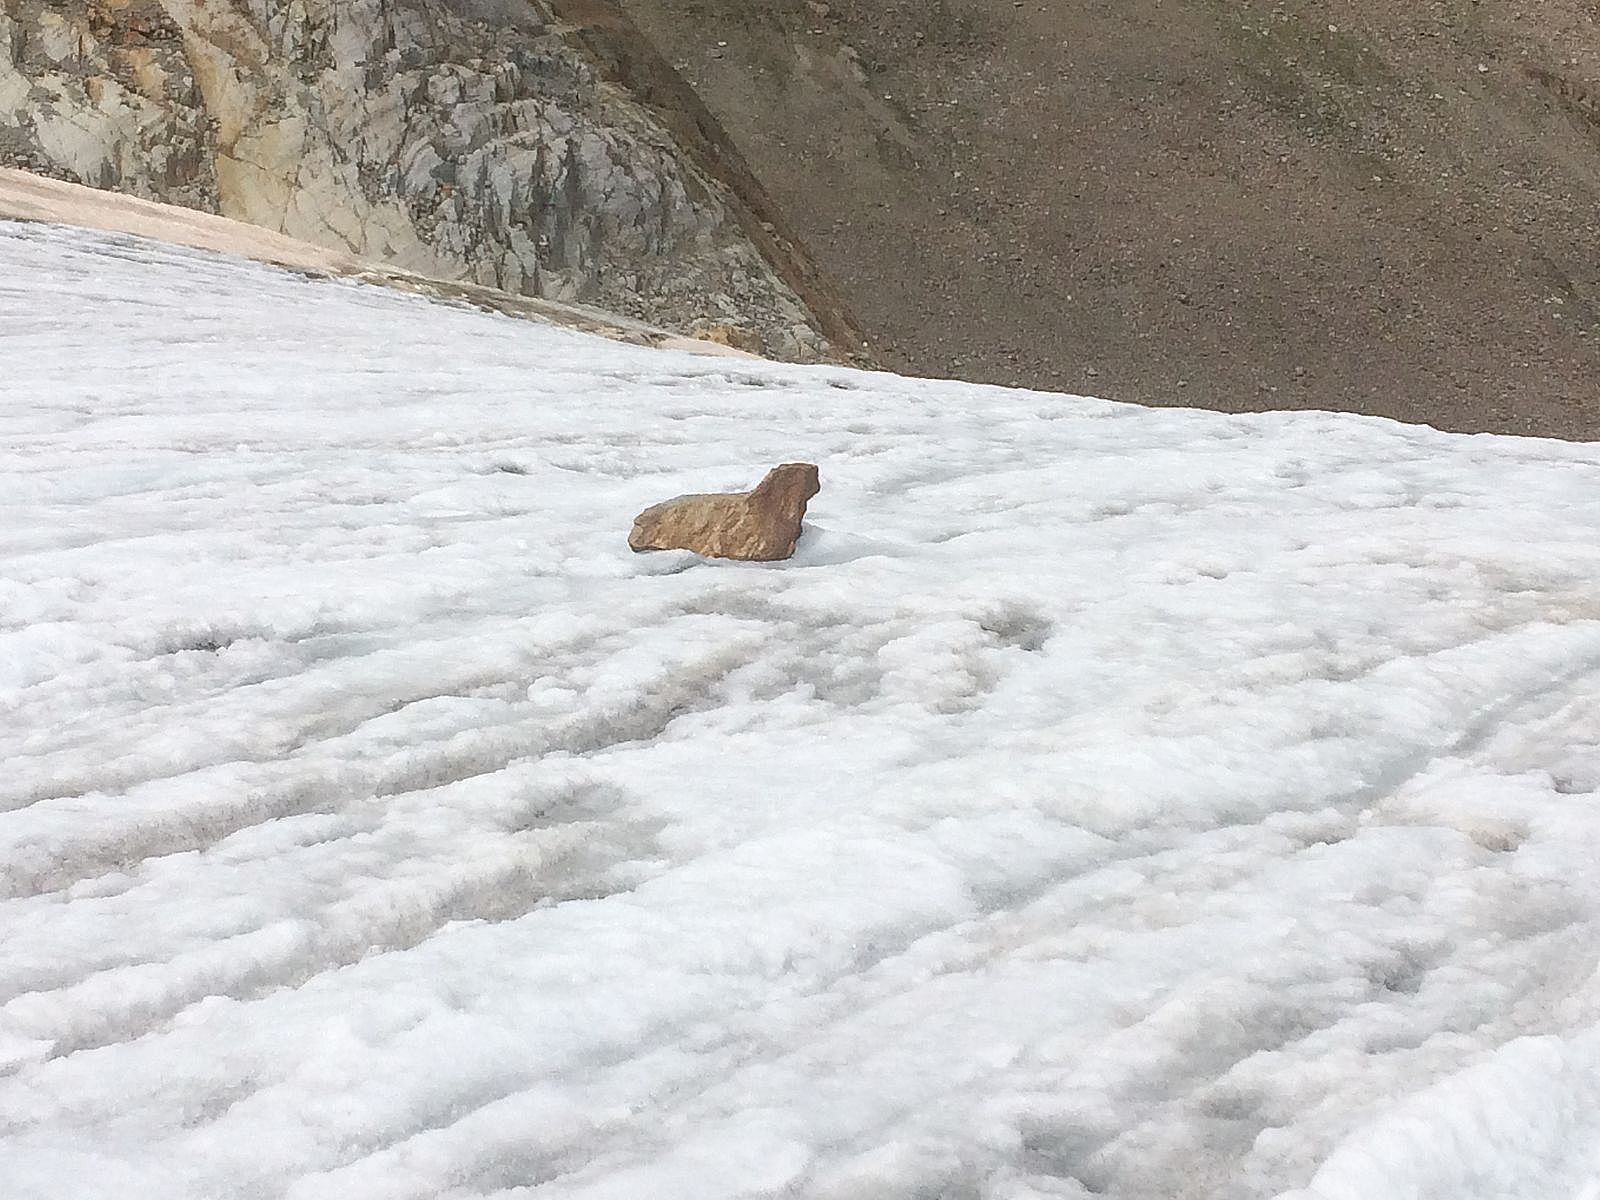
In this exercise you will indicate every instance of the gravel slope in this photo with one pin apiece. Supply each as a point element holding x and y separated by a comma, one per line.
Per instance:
<point>1349,204</point>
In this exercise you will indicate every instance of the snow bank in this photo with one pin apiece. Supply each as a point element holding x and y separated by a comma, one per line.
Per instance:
<point>1102,802</point>
<point>28,197</point>
<point>1524,1123</point>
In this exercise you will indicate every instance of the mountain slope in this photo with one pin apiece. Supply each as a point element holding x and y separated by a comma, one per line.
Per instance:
<point>1343,204</point>
<point>1103,801</point>
<point>461,139</point>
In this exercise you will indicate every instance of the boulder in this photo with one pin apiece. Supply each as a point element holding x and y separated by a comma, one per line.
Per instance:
<point>758,526</point>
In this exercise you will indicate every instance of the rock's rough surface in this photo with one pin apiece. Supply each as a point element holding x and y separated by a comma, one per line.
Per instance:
<point>465,139</point>
<point>758,526</point>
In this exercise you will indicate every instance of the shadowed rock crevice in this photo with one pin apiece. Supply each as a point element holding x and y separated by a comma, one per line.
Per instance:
<point>627,57</point>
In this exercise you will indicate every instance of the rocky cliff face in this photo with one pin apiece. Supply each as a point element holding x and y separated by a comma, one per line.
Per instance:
<point>469,139</point>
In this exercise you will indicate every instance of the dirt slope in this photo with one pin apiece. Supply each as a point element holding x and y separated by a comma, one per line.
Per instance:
<point>1353,204</point>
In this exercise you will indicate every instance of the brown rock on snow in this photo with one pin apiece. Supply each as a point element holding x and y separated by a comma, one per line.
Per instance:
<point>758,526</point>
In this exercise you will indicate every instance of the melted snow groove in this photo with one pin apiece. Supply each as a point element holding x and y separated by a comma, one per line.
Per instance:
<point>581,864</point>
<point>323,782</point>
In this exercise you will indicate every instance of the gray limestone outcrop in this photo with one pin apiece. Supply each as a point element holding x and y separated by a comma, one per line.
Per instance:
<point>464,139</point>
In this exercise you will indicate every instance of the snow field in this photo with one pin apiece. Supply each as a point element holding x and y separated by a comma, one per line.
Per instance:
<point>1102,802</point>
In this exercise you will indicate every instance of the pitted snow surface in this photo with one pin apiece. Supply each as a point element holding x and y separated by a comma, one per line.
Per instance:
<point>1103,802</point>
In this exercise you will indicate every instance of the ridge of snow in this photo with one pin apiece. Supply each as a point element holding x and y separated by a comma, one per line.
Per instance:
<point>25,196</point>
